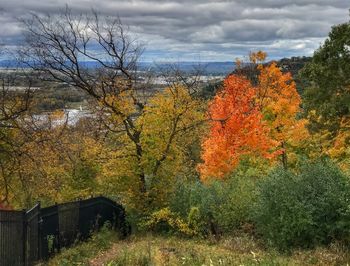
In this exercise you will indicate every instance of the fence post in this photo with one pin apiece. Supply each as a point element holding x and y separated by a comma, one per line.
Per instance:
<point>24,238</point>
<point>39,231</point>
<point>59,243</point>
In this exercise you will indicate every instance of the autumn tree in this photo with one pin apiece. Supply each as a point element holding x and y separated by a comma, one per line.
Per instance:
<point>50,161</point>
<point>14,105</point>
<point>279,101</point>
<point>57,46</point>
<point>236,129</point>
<point>64,167</point>
<point>170,124</point>
<point>253,120</point>
<point>40,157</point>
<point>249,67</point>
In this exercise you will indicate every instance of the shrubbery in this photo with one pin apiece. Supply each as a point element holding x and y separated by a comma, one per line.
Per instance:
<point>303,209</point>
<point>287,208</point>
<point>216,208</point>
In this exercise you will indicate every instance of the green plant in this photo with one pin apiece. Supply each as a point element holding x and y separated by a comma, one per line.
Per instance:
<point>50,243</point>
<point>138,258</point>
<point>217,208</point>
<point>303,209</point>
<point>194,220</point>
<point>165,220</point>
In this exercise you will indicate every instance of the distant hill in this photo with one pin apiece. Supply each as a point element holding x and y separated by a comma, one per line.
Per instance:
<point>293,64</point>
<point>209,68</point>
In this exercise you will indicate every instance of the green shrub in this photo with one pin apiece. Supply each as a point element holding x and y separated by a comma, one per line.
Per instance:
<point>165,221</point>
<point>217,208</point>
<point>195,221</point>
<point>303,209</point>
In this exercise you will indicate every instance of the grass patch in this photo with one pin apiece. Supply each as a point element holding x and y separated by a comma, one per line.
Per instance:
<point>160,250</point>
<point>155,250</point>
<point>83,252</point>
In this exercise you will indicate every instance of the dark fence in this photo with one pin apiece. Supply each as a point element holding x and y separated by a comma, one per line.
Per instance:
<point>30,236</point>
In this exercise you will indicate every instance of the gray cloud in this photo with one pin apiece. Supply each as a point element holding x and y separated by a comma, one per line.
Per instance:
<point>202,30</point>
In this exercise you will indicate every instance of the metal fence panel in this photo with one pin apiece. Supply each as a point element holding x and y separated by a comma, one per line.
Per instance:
<point>68,223</point>
<point>49,228</point>
<point>11,238</point>
<point>32,218</point>
<point>88,217</point>
<point>27,237</point>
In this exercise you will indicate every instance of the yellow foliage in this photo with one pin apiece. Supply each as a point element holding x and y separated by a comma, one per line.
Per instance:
<point>280,103</point>
<point>257,57</point>
<point>166,216</point>
<point>337,146</point>
<point>168,124</point>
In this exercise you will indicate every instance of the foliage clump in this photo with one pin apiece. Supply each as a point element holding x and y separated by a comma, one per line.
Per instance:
<point>197,209</point>
<point>303,209</point>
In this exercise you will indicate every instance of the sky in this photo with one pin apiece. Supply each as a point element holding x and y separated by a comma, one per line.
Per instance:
<point>202,30</point>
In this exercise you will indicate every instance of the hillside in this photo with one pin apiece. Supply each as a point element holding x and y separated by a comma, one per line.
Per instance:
<point>293,64</point>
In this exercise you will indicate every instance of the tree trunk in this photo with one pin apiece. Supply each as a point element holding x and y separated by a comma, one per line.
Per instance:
<point>284,157</point>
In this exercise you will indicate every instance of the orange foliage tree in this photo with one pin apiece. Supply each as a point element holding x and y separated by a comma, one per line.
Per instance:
<point>236,129</point>
<point>279,101</point>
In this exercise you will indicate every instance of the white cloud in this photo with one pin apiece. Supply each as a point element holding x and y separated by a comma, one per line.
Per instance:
<point>206,29</point>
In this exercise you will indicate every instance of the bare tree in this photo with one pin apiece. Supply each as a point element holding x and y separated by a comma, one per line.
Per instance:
<point>59,47</point>
<point>174,76</point>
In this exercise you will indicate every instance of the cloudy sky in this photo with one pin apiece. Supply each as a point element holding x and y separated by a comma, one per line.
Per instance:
<point>189,30</point>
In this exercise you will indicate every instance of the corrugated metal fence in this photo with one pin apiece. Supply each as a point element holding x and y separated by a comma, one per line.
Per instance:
<point>30,236</point>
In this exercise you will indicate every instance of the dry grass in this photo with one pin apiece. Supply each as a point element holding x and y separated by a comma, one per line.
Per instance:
<point>156,250</point>
<point>160,250</point>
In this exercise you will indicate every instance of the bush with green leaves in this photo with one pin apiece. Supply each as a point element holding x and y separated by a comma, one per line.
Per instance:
<point>219,207</point>
<point>303,209</point>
